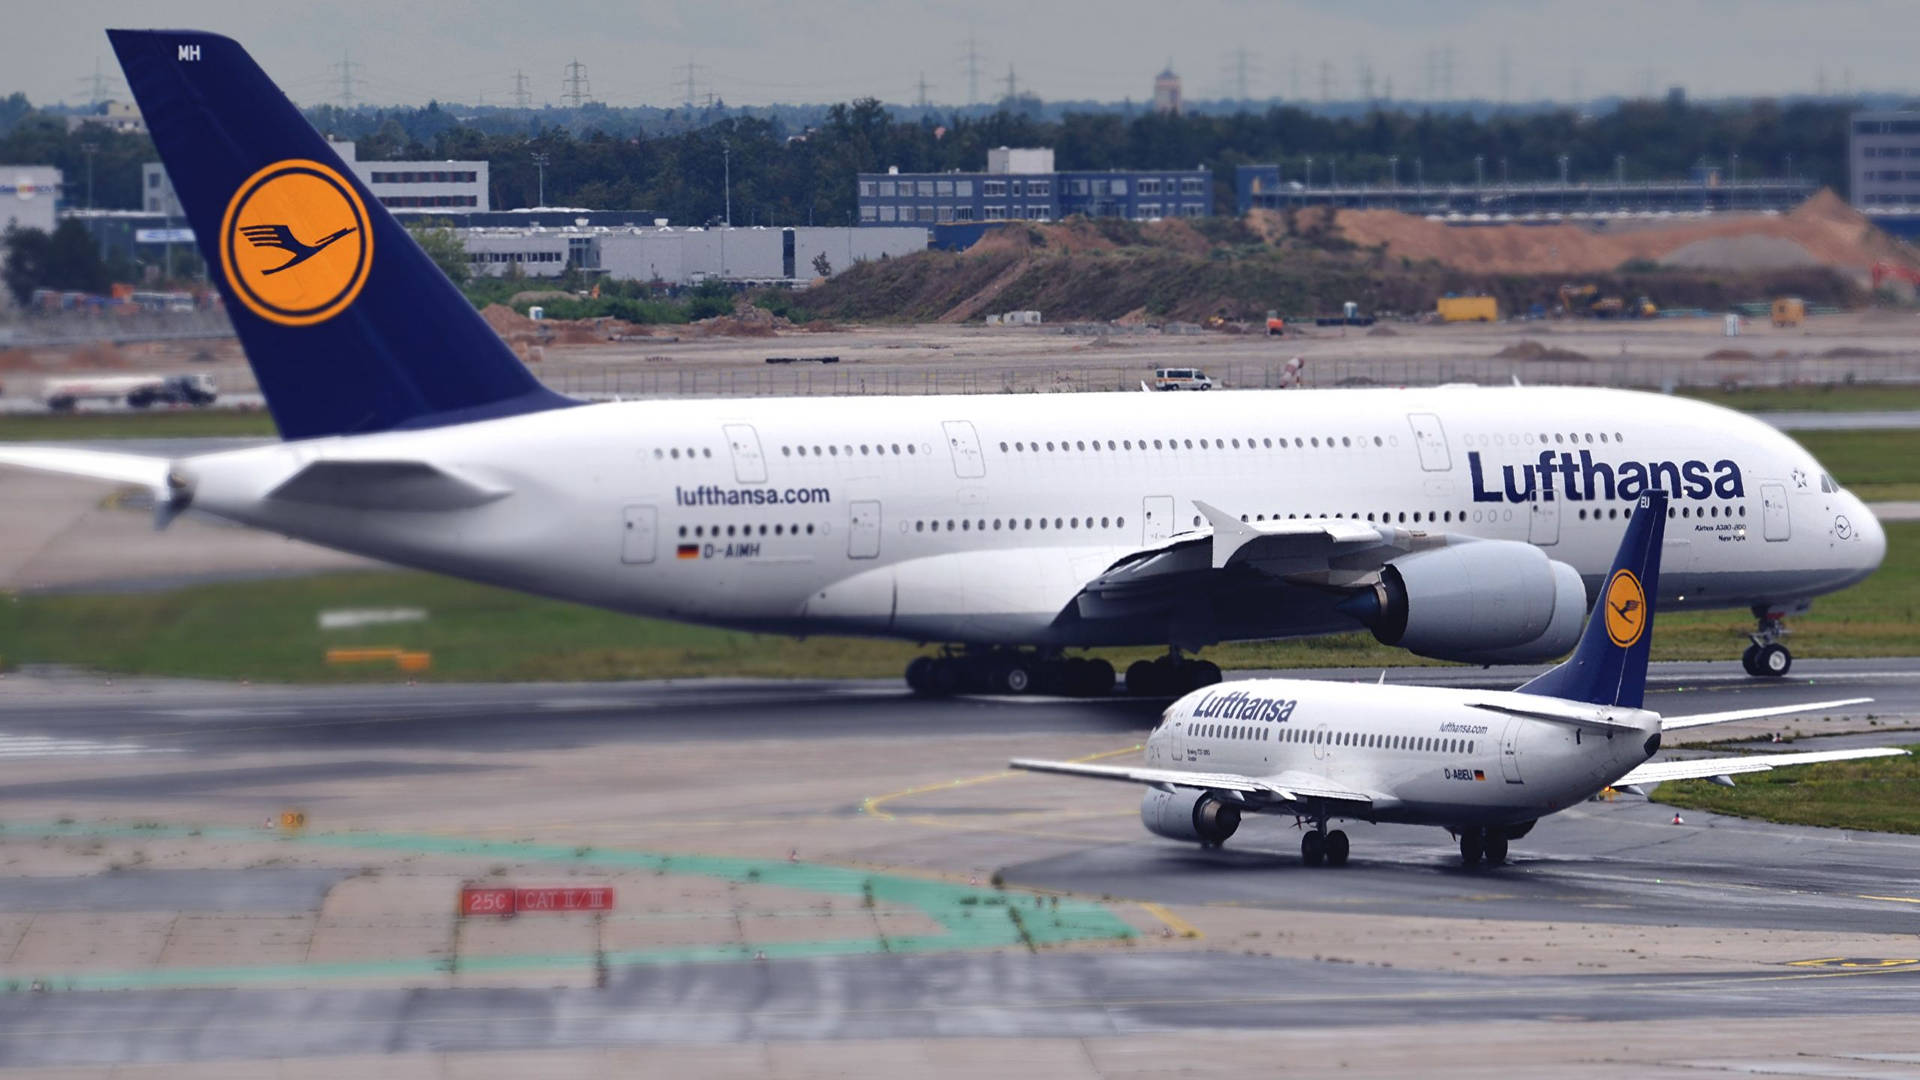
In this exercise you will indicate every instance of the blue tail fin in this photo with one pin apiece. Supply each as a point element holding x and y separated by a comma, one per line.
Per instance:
<point>349,326</point>
<point>1609,666</point>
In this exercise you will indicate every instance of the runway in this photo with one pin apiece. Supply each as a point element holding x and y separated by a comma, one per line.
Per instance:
<point>191,934</point>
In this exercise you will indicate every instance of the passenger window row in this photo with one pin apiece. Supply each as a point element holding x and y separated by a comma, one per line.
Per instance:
<point>1697,511</point>
<point>744,530</point>
<point>981,525</point>
<point>1251,443</point>
<point>1264,733</point>
<point>865,450</point>
<point>675,453</point>
<point>1556,438</point>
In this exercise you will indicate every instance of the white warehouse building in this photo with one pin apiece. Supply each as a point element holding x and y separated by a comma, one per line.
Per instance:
<point>680,256</point>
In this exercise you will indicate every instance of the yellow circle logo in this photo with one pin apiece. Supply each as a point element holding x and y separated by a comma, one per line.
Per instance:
<point>295,243</point>
<point>1626,609</point>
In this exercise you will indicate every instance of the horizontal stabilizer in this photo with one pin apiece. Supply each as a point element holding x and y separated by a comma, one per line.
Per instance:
<point>1569,713</point>
<point>385,485</point>
<point>1654,772</point>
<point>147,472</point>
<point>1677,723</point>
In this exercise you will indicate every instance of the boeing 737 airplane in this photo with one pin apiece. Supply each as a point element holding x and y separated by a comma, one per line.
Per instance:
<point>1484,765</point>
<point>1461,522</point>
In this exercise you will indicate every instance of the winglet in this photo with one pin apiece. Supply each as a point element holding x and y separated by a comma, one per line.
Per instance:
<point>1229,532</point>
<point>1609,666</point>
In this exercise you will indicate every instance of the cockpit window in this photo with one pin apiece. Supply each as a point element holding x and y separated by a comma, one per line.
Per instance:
<point>1828,484</point>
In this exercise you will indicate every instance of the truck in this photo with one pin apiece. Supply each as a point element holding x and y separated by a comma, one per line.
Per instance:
<point>1468,309</point>
<point>134,391</point>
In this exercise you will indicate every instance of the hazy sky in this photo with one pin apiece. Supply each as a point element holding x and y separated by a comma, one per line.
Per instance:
<point>407,51</point>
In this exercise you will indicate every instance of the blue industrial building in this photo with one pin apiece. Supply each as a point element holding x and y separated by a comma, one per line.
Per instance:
<point>1022,185</point>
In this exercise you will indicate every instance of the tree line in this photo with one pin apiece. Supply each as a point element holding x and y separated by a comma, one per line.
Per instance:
<point>780,173</point>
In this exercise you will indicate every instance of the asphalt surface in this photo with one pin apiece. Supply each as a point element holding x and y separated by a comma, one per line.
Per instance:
<point>200,719</point>
<point>1622,863</point>
<point>1004,995</point>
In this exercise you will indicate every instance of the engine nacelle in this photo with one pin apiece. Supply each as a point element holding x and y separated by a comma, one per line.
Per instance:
<point>1186,814</point>
<point>1482,602</point>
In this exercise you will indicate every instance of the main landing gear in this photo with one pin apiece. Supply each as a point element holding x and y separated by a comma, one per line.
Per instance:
<point>1319,847</point>
<point>1170,676</point>
<point>1483,845</point>
<point>1009,671</point>
<point>1019,671</point>
<point>1766,658</point>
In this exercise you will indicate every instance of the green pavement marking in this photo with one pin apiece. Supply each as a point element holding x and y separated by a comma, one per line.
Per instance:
<point>970,917</point>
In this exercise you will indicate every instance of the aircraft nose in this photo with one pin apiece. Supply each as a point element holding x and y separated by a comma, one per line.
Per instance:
<point>1871,542</point>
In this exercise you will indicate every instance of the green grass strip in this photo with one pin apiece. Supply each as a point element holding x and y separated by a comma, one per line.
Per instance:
<point>1876,795</point>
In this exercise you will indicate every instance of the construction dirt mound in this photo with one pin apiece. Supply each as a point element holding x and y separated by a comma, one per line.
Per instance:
<point>1529,349</point>
<point>1824,230</point>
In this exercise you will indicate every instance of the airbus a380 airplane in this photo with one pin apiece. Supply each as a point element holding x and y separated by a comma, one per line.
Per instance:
<point>1485,765</point>
<point>1462,523</point>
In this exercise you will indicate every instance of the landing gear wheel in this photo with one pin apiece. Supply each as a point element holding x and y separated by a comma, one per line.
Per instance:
<point>1773,662</point>
<point>1099,678</point>
<point>1313,848</point>
<point>1472,847</point>
<point>1750,659</point>
<point>1202,673</point>
<point>920,675</point>
<point>1336,848</point>
<point>1012,676</point>
<point>1143,679</point>
<point>944,677</point>
<point>1496,847</point>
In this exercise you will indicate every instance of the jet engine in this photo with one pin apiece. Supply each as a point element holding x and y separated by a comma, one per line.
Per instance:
<point>1482,602</point>
<point>1186,814</point>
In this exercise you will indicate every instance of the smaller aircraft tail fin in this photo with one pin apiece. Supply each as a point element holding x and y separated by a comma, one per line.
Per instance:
<point>1609,665</point>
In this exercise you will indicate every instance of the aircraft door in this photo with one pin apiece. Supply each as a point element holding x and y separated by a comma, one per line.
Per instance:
<point>1322,743</point>
<point>1177,740</point>
<point>637,546</point>
<point>1157,512</point>
<point>1773,511</point>
<point>1543,523</point>
<point>1510,751</point>
<point>968,462</point>
<point>749,467</point>
<point>863,530</point>
<point>1431,438</point>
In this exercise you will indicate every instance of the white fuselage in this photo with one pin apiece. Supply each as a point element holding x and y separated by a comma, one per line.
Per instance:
<point>978,519</point>
<point>1429,756</point>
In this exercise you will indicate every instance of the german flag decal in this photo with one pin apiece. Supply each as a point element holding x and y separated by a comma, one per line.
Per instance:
<point>1479,774</point>
<point>688,551</point>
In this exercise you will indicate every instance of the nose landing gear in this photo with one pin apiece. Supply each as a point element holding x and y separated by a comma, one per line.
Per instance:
<point>1766,658</point>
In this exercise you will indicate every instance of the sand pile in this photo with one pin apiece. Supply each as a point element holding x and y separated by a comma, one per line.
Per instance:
<point>1529,349</point>
<point>1823,230</point>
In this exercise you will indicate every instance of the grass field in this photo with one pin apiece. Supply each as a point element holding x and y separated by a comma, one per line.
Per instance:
<point>1875,465</point>
<point>1837,397</point>
<point>1881,795</point>
<point>165,424</point>
<point>269,631</point>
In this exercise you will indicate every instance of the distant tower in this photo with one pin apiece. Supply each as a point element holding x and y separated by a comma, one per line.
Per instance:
<point>1166,92</point>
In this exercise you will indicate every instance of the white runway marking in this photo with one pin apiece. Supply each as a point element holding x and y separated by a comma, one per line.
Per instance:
<point>41,746</point>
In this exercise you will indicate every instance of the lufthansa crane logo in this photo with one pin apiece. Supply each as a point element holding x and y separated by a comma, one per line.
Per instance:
<point>295,243</point>
<point>1626,609</point>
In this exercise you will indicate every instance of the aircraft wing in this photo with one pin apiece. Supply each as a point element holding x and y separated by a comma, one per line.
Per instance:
<point>1286,787</point>
<point>1654,772</point>
<point>1678,723</point>
<point>148,472</point>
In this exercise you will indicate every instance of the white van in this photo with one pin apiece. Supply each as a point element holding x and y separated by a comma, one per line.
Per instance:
<point>1182,378</point>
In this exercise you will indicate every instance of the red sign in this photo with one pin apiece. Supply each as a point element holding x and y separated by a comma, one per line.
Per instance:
<point>590,898</point>
<point>486,901</point>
